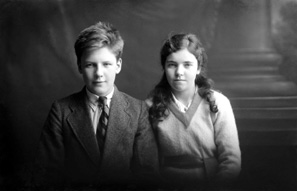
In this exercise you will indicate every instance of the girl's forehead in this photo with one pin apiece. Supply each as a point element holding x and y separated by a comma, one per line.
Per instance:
<point>183,54</point>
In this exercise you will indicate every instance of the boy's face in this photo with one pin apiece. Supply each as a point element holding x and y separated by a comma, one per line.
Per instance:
<point>99,67</point>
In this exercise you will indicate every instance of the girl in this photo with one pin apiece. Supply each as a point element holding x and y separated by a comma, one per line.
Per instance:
<point>195,125</point>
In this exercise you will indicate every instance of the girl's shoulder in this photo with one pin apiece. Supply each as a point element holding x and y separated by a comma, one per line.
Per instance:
<point>218,96</point>
<point>149,101</point>
<point>221,101</point>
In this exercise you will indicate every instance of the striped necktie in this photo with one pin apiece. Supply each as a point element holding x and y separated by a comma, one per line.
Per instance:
<point>102,123</point>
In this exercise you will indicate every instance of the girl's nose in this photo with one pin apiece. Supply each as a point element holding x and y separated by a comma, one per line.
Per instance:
<point>179,71</point>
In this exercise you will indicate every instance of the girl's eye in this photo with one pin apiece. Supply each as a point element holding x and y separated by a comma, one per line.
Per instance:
<point>188,64</point>
<point>170,64</point>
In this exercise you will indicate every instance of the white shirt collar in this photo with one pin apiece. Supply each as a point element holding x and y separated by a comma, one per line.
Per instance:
<point>93,99</point>
<point>180,105</point>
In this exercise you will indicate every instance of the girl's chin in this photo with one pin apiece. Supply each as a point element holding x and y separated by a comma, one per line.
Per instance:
<point>179,90</point>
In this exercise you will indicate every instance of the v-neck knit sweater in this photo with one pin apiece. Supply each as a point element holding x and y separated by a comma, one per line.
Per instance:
<point>183,136</point>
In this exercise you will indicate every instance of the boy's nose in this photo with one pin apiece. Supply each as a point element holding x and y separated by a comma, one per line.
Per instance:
<point>99,71</point>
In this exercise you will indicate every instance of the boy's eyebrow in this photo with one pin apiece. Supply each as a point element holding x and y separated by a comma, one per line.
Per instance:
<point>88,61</point>
<point>170,61</point>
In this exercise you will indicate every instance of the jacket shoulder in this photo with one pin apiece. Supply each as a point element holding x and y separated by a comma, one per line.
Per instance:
<point>71,99</point>
<point>132,100</point>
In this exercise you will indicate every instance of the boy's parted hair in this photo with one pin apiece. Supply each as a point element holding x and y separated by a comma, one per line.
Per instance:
<point>101,34</point>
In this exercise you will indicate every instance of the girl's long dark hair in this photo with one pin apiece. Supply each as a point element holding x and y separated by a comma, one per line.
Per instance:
<point>161,94</point>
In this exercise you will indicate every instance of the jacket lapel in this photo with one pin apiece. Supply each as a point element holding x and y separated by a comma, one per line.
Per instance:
<point>79,120</point>
<point>119,120</point>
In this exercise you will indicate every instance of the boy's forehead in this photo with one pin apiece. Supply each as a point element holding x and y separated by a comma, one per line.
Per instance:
<point>92,49</point>
<point>98,51</point>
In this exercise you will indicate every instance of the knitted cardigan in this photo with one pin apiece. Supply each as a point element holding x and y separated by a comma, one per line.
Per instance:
<point>196,136</point>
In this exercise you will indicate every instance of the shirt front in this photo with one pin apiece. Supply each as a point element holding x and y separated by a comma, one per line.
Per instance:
<point>180,105</point>
<point>94,110</point>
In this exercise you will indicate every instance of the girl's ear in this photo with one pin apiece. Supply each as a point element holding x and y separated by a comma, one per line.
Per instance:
<point>198,68</point>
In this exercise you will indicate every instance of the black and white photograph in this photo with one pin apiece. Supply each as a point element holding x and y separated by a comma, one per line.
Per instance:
<point>148,95</point>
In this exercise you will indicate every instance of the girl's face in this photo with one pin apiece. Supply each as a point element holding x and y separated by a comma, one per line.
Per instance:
<point>181,68</point>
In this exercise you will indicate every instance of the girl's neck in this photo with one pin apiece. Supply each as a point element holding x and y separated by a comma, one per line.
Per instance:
<point>185,97</point>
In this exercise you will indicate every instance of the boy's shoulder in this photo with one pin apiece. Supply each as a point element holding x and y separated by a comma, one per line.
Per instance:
<point>72,98</point>
<point>133,105</point>
<point>80,96</point>
<point>130,99</point>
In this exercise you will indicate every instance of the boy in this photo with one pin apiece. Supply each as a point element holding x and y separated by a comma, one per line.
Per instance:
<point>98,136</point>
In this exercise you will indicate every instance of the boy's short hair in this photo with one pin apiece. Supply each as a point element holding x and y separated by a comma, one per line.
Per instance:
<point>101,34</point>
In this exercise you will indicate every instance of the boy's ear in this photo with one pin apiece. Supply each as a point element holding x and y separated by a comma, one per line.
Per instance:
<point>119,65</point>
<point>79,66</point>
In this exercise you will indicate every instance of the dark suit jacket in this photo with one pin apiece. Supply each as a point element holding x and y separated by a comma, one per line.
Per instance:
<point>68,151</point>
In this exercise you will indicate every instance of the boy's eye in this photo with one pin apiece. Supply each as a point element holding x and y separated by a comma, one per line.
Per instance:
<point>88,65</point>
<point>106,63</point>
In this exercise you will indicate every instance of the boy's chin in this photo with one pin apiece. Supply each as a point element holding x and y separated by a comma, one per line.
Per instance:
<point>101,91</point>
